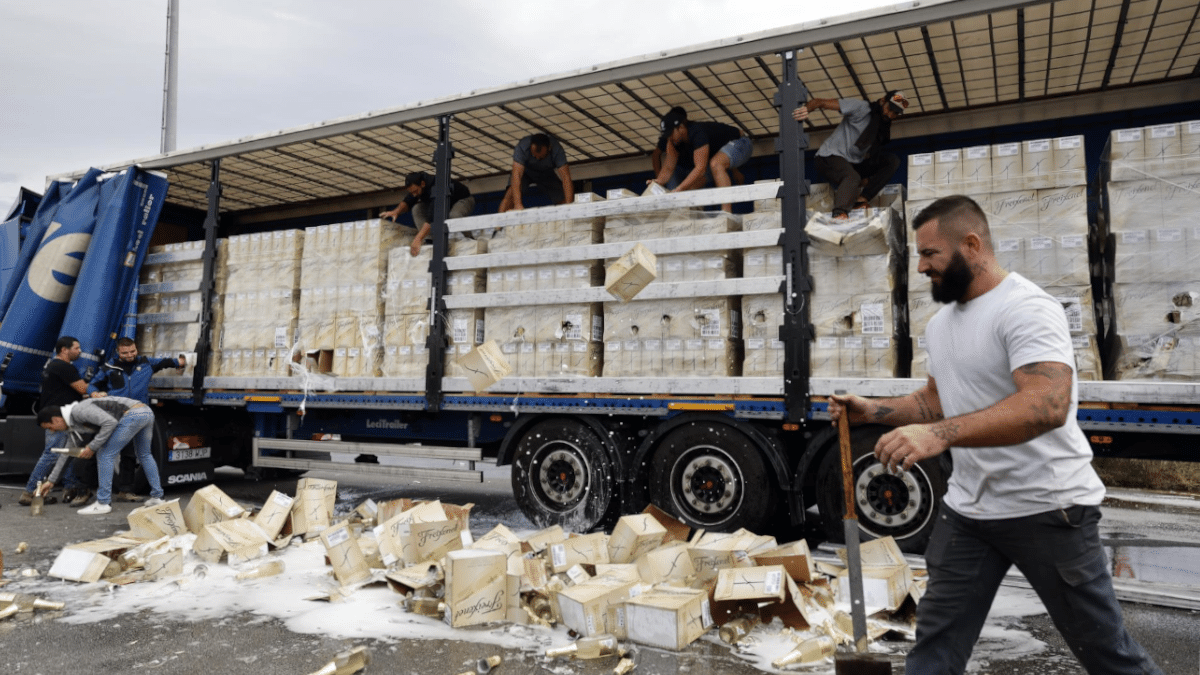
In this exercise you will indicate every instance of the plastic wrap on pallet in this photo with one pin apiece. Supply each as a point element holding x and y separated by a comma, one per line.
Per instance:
<point>550,340</point>
<point>1006,167</point>
<point>1162,151</point>
<point>168,340</point>
<point>655,338</point>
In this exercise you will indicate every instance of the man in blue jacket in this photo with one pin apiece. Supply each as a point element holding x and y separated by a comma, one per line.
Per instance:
<point>129,375</point>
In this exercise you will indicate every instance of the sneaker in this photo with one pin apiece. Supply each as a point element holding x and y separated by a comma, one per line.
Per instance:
<point>96,509</point>
<point>154,501</point>
<point>81,496</point>
<point>127,497</point>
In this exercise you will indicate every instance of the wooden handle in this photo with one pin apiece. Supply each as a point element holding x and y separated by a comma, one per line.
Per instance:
<point>847,464</point>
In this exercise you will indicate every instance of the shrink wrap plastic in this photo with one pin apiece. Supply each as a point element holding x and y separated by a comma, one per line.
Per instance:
<point>1151,202</point>
<point>169,340</point>
<point>1005,167</point>
<point>540,236</point>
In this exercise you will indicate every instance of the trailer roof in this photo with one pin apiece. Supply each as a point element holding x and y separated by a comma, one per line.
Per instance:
<point>971,58</point>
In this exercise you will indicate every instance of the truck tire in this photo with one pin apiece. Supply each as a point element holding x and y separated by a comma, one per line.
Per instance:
<point>562,475</point>
<point>712,476</point>
<point>902,506</point>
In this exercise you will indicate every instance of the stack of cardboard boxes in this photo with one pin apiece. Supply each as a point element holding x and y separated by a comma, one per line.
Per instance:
<point>161,338</point>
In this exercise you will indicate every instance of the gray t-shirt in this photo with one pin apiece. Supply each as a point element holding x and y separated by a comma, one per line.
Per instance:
<point>856,115</point>
<point>539,168</point>
<point>973,350</point>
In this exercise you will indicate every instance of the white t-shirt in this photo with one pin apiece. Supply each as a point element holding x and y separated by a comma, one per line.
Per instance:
<point>973,350</point>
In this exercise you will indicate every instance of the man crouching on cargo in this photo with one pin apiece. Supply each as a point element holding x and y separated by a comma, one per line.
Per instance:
<point>419,186</point>
<point>1002,397</point>
<point>115,421</point>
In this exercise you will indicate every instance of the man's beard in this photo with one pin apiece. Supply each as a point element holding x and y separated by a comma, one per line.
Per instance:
<point>956,278</point>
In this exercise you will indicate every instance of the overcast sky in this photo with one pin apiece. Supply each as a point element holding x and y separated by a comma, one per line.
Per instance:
<point>82,79</point>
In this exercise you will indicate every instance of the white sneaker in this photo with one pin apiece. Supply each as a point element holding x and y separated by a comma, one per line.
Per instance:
<point>96,509</point>
<point>154,501</point>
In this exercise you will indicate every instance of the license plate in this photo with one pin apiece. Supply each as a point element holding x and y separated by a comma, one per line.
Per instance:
<point>184,454</point>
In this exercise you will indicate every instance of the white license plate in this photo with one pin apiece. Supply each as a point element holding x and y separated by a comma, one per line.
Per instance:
<point>184,454</point>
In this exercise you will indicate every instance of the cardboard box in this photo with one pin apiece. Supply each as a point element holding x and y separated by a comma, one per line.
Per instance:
<point>883,587</point>
<point>210,505</point>
<point>795,558</point>
<point>239,539</point>
<point>421,533</point>
<point>414,578</point>
<point>750,583</point>
<point>668,619</point>
<point>164,565</point>
<point>485,365</point>
<point>152,522</point>
<point>502,539</point>
<point>882,552</point>
<point>588,549</point>
<point>677,530</point>
<point>670,562</point>
<point>75,564</point>
<point>629,274</point>
<point>713,551</point>
<point>312,510</point>
<point>341,547</point>
<point>585,607</point>
<point>477,587</point>
<point>274,514</point>
<point>543,539</point>
<point>633,536</point>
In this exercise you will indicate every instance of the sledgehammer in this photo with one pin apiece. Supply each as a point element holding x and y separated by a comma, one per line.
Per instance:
<point>859,662</point>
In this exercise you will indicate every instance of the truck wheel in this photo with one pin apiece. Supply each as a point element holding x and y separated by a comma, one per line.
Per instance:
<point>561,476</point>
<point>902,506</point>
<point>712,476</point>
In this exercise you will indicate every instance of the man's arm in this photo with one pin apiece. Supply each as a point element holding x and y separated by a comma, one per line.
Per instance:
<point>99,382</point>
<point>401,209</point>
<point>700,166</point>
<point>922,405</point>
<point>1040,404</point>
<point>518,171</point>
<point>96,416</point>
<point>667,167</point>
<point>81,387</point>
<point>564,174</point>
<point>656,160</point>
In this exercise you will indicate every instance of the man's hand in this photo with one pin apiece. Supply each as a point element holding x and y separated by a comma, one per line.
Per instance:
<point>901,448</point>
<point>99,394</point>
<point>800,114</point>
<point>415,248</point>
<point>44,488</point>
<point>859,409</point>
<point>182,362</point>
<point>391,215</point>
<point>86,452</point>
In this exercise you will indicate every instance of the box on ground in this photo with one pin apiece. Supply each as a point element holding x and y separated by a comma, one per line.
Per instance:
<point>668,619</point>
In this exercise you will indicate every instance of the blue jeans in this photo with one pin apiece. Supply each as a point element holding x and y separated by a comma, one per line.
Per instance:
<point>54,439</point>
<point>738,151</point>
<point>1059,553</point>
<point>137,424</point>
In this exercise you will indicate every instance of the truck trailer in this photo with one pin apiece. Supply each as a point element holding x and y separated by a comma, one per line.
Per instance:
<point>697,428</point>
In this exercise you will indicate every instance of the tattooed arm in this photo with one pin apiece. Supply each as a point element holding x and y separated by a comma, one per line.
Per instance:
<point>1040,404</point>
<point>922,405</point>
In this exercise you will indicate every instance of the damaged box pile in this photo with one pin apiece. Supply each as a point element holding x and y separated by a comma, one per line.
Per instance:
<point>651,581</point>
<point>1151,200</point>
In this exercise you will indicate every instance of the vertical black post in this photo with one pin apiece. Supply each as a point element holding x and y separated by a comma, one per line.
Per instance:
<point>797,331</point>
<point>208,284</point>
<point>436,343</point>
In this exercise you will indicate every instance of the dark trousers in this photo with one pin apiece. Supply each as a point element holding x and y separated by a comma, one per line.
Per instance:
<point>1059,553</point>
<point>845,177</point>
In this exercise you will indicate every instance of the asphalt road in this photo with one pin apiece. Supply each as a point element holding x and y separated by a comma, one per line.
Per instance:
<point>253,639</point>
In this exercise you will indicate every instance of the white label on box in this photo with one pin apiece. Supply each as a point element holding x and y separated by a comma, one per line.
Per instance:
<point>579,347</point>
<point>695,345</point>
<point>545,347</point>
<point>1008,245</point>
<point>1080,341</point>
<point>872,318</point>
<point>461,329</point>
<point>921,343</point>
<point>621,615</point>
<point>591,624</point>
<point>755,259</point>
<point>694,264</point>
<point>528,275</point>
<point>1008,149</point>
<point>706,612</point>
<point>1071,241</point>
<point>281,499</point>
<point>827,342</point>
<point>776,344</point>
<point>852,343</point>
<point>574,327</point>
<point>1041,145</point>
<point>1193,127</point>
<point>710,323</point>
<point>352,352</point>
<point>755,343</point>
<point>558,555</point>
<point>1133,237</point>
<point>562,348</point>
<point>674,345</point>
<point>944,156</point>
<point>1041,243</point>
<point>1128,135</point>
<point>281,337</point>
<point>1074,311</point>
<point>1163,131</point>
<point>716,344</point>
<point>546,274</point>
<point>339,536</point>
<point>1172,234</point>
<point>978,152</point>
<point>773,582</point>
<point>1069,142</point>
<point>597,328</point>
<point>924,159</point>
<point>653,345</point>
<point>633,345</point>
<point>526,347</point>
<point>881,343</point>
<point>562,273</point>
<point>479,331</point>
<point>612,346</point>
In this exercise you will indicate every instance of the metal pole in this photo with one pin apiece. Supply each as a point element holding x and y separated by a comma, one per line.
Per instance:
<point>170,78</point>
<point>442,157</point>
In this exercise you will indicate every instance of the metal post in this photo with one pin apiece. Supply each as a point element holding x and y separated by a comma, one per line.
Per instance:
<point>437,324</point>
<point>208,283</point>
<point>797,331</point>
<point>170,78</point>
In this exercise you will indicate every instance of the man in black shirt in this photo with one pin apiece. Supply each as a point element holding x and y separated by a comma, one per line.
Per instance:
<point>61,384</point>
<point>683,165</point>
<point>717,150</point>
<point>420,201</point>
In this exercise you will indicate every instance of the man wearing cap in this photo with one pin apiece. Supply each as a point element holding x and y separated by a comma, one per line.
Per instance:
<point>539,164</point>
<point>420,201</point>
<point>717,149</point>
<point>851,154</point>
<point>683,166</point>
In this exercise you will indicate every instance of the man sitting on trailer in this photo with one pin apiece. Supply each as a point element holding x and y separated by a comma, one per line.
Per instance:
<point>851,157</point>
<point>61,384</point>
<point>1002,397</point>
<point>683,165</point>
<point>128,374</point>
<point>420,201</point>
<point>539,165</point>
<point>717,152</point>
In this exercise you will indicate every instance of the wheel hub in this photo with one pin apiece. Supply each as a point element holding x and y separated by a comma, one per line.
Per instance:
<point>889,500</point>
<point>561,477</point>
<point>709,484</point>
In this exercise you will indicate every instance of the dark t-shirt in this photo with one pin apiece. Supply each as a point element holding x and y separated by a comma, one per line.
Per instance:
<point>713,134</point>
<point>458,192</point>
<point>57,377</point>
<point>684,150</point>
<point>539,170</point>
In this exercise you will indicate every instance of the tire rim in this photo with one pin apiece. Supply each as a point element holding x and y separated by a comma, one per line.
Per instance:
<point>708,481</point>
<point>561,475</point>
<point>899,505</point>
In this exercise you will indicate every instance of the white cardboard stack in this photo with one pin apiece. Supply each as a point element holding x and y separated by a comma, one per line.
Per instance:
<point>1153,196</point>
<point>344,269</point>
<point>168,340</point>
<point>548,340</point>
<point>255,330</point>
<point>1035,196</point>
